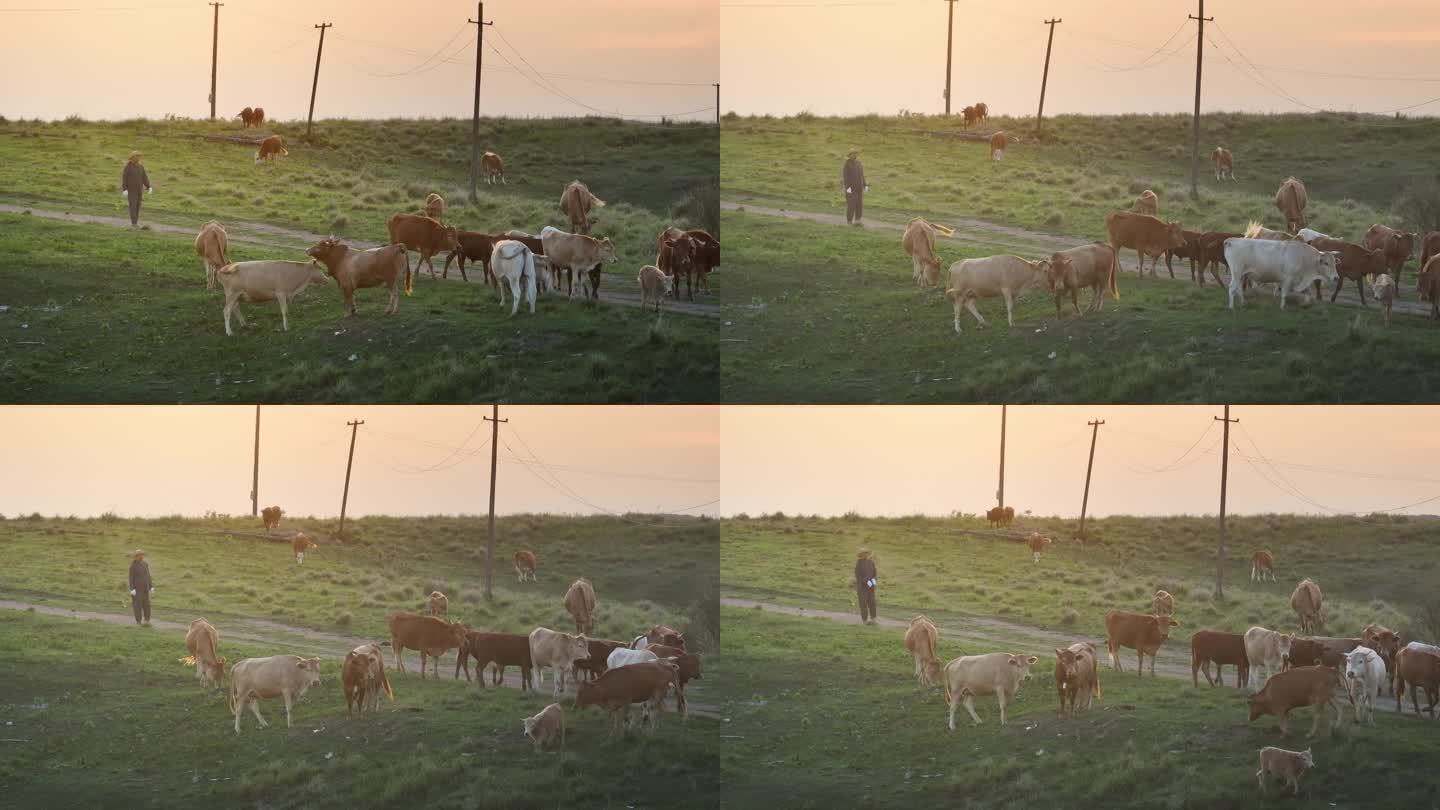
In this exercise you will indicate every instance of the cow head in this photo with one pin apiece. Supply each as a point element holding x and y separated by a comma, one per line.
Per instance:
<point>578,647</point>
<point>607,251</point>
<point>1020,667</point>
<point>1329,266</point>
<point>1066,662</point>
<point>529,725</point>
<point>1307,759</point>
<point>1060,273</point>
<point>323,249</point>
<point>1357,663</point>
<point>310,668</point>
<point>1259,704</point>
<point>1283,644</point>
<point>1174,235</point>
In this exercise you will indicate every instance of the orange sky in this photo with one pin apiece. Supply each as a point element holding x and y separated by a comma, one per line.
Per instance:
<point>856,56</point>
<point>932,460</point>
<point>153,57</point>
<point>158,460</point>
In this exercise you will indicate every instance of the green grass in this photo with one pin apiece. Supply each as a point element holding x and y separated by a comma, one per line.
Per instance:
<point>106,717</point>
<point>825,715</point>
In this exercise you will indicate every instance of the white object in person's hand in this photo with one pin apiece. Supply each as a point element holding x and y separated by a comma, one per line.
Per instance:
<point>871,582</point>
<point>124,192</point>
<point>849,190</point>
<point>132,591</point>
<point>867,188</point>
<point>152,588</point>
<point>150,190</point>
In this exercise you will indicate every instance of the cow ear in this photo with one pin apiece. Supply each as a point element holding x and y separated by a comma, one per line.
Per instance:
<point>1032,659</point>
<point>1058,653</point>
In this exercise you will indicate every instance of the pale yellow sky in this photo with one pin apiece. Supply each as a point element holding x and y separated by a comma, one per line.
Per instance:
<point>152,57</point>
<point>159,460</point>
<point>837,57</point>
<point>933,460</point>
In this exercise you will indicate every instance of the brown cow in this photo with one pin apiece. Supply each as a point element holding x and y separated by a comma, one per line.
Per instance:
<point>1417,669</point>
<point>1085,266</point>
<point>476,247</point>
<point>982,111</point>
<point>1190,250</point>
<point>431,636</point>
<point>355,269</point>
<point>269,148</point>
<point>1291,200</point>
<point>524,562</point>
<point>247,118</point>
<point>580,604</point>
<point>575,203</point>
<point>1290,765</point>
<point>1397,245</point>
<point>1163,604</point>
<point>1384,641</point>
<point>920,639</point>
<point>1211,252</point>
<point>494,167</point>
<point>259,116</point>
<point>970,115</point>
<point>497,650</point>
<point>919,244</point>
<point>688,664</point>
<point>645,682</point>
<point>210,246</point>
<point>1143,632</point>
<point>271,516</point>
<point>1353,262</point>
<point>1293,689</point>
<point>1427,284</point>
<point>362,676</point>
<point>1077,674</point>
<point>301,544</point>
<point>201,641</point>
<point>599,660</point>
<point>1224,162</point>
<point>1262,562</point>
<point>1308,604</point>
<point>1321,651</point>
<point>674,255</point>
<point>707,256</point>
<point>1037,543</point>
<point>422,234</point>
<point>1148,236</point>
<point>998,142</point>
<point>1147,203</point>
<point>1222,648</point>
<point>1429,246</point>
<point>995,516</point>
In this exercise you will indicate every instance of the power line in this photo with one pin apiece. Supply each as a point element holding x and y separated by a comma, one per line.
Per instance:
<point>427,59</point>
<point>556,91</point>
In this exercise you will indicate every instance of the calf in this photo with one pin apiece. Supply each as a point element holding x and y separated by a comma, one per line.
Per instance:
<point>919,244</point>
<point>1418,670</point>
<point>998,143</point>
<point>1077,675</point>
<point>1148,235</point>
<point>1143,632</point>
<point>301,544</point>
<point>1079,267</point>
<point>282,676</point>
<point>494,167</point>
<point>617,689</point>
<point>1267,649</point>
<point>1262,563</point>
<point>544,726</point>
<point>1293,689</point>
<point>971,676</point>
<point>269,148</point>
<point>1384,292</point>
<point>258,282</point>
<point>1221,648</point>
<point>524,562</point>
<point>1364,672</point>
<point>1210,247</point>
<point>498,650</point>
<point>201,641</point>
<point>920,639</point>
<point>422,234</point>
<point>1289,765</point>
<point>210,245</point>
<point>1163,604</point>
<point>1008,276</point>
<point>360,269</point>
<point>654,285</point>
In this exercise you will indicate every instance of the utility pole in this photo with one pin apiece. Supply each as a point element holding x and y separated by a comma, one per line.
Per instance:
<point>1040,113</point>
<point>1220,538</point>
<point>311,115</point>
<point>1195,128</point>
<point>717,104</point>
<point>255,481</point>
<point>1089,465</point>
<point>479,24</point>
<point>345,499</point>
<point>495,421</point>
<point>1000,493</point>
<point>214,54</point>
<point>949,41</point>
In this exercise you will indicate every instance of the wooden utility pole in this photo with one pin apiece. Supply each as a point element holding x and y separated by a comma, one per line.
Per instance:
<point>1040,113</point>
<point>1220,537</point>
<point>717,104</point>
<point>310,116</point>
<point>949,42</point>
<point>1089,465</point>
<point>214,54</point>
<point>479,24</point>
<point>1195,128</point>
<point>345,499</point>
<point>1000,492</point>
<point>495,421</point>
<point>255,481</point>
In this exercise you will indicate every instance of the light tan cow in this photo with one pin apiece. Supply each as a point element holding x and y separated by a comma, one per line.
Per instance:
<point>920,640</point>
<point>558,651</point>
<point>1308,603</point>
<point>1147,203</point>
<point>1224,162</point>
<point>971,676</point>
<point>577,253</point>
<point>1267,649</point>
<point>1007,276</point>
<point>919,244</point>
<point>494,167</point>
<point>439,605</point>
<point>1288,765</point>
<point>546,725</point>
<point>258,282</point>
<point>576,201</point>
<point>1291,200</point>
<point>210,245</point>
<point>1163,604</point>
<point>1090,266</point>
<point>355,269</point>
<point>282,676</point>
<point>1384,292</point>
<point>654,286</point>
<point>201,641</point>
<point>580,604</point>
<point>435,207</point>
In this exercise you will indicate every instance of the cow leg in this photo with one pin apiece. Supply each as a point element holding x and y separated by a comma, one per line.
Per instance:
<point>949,698</point>
<point>255,709</point>
<point>1009,306</point>
<point>240,709</point>
<point>514,295</point>
<point>969,701</point>
<point>1074,300</point>
<point>394,305</point>
<point>288,702</point>
<point>970,305</point>
<point>399,660</point>
<point>350,302</point>
<point>284,312</point>
<point>231,300</point>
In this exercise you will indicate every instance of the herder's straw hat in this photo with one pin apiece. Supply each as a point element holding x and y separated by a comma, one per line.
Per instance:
<point>863,553</point>
<point>135,156</point>
<point>853,153</point>
<point>136,554</point>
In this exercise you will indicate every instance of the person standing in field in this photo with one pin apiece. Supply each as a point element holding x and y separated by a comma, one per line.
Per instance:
<point>853,177</point>
<point>131,181</point>
<point>865,579</point>
<point>141,585</point>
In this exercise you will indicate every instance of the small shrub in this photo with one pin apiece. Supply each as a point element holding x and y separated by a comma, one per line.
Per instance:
<point>344,619</point>
<point>1069,618</point>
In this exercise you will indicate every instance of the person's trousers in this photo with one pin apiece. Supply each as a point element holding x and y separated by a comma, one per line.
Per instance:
<point>854,206</point>
<point>867,603</point>
<point>134,197</point>
<point>140,602</point>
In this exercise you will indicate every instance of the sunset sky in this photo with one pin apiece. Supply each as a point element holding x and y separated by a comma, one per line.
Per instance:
<point>857,56</point>
<point>932,460</point>
<point>152,57</point>
<point>409,460</point>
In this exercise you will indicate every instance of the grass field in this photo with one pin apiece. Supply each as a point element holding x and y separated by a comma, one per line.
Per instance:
<point>826,715</point>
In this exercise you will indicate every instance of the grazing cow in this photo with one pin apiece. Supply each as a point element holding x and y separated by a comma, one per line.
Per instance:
<point>1294,688</point>
<point>258,282</point>
<point>1268,650</point>
<point>271,515</point>
<point>1261,563</point>
<point>355,269</point>
<point>546,725</point>
<point>1351,261</point>
<point>301,544</point>
<point>514,266</point>
<point>920,639</point>
<point>1289,765</point>
<point>971,676</point>
<point>558,651</point>
<point>1211,252</point>
<point>675,255</point>
<point>421,234</point>
<point>618,688</point>
<point>623,657</point>
<point>580,604</point>
<point>1147,203</point>
<point>1163,604</point>
<point>576,253</point>
<point>201,641</point>
<point>283,676</point>
<point>1384,292</point>
<point>688,665</point>
<point>971,116</point>
<point>247,118</point>
<point>1364,672</point>
<point>1290,199</point>
<point>1224,163</point>
<point>1322,650</point>
<point>654,285</point>
<point>919,244</point>
<point>524,562</point>
<point>1077,675</point>
<point>435,207</point>
<point>431,636</point>
<point>575,203</point>
<point>210,246</point>
<point>1222,648</point>
<point>439,605</point>
<point>1084,266</point>
<point>1396,244</point>
<point>982,111</point>
<point>1294,265</point>
<point>1427,284</point>
<point>1143,632</point>
<point>362,676</point>
<point>1417,669</point>
<point>494,167</point>
<point>1008,276</point>
<point>269,148</point>
<point>259,116</point>
<point>1147,235</point>
<point>599,660</point>
<point>706,258</point>
<point>1037,543</point>
<point>1384,641</point>
<point>498,650</point>
<point>998,143</point>
<point>1429,246</point>
<point>1308,604</point>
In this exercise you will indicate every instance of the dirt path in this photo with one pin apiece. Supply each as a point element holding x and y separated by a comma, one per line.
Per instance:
<point>288,639</point>
<point>620,290</point>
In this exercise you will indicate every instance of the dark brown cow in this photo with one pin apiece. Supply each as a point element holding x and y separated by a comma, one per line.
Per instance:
<point>247,118</point>
<point>674,255</point>
<point>1142,632</point>
<point>271,515</point>
<point>259,116</point>
<point>970,115</point>
<point>1147,235</point>
<point>646,682</point>
<point>499,650</point>
<point>707,256</point>
<point>524,562</point>
<point>1397,245</point>
<point>476,247</point>
<point>1321,651</point>
<point>689,670</point>
<point>982,111</point>
<point>1221,648</point>
<point>600,649</point>
<point>1212,253</point>
<point>431,636</point>
<point>421,234</point>
<point>1427,284</point>
<point>1429,246</point>
<point>1294,688</point>
<point>1354,262</point>
<point>1417,670</point>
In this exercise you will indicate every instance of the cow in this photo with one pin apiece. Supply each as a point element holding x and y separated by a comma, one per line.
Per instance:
<point>259,116</point>
<point>576,253</point>
<point>301,544</point>
<point>544,727</point>
<point>622,657</point>
<point>617,689</point>
<point>1221,648</point>
<point>542,265</point>
<point>1268,650</point>
<point>494,167</point>
<point>435,207</point>
<point>1322,650</point>
<point>1255,230</point>
<point>1396,244</point>
<point>982,111</point>
<point>431,636</point>
<point>1290,199</point>
<point>580,604</point>
<point>1429,246</point>
<point>659,634</point>
<point>972,676</point>
<point>1294,688</point>
<point>1289,765</point>
<point>247,118</point>
<point>707,256</point>
<point>210,246</point>
<point>920,639</point>
<point>524,562</point>
<point>1427,285</point>
<point>271,515</point>
<point>498,650</point>
<point>1384,292</point>
<point>1143,632</point>
<point>439,605</point>
<point>1147,203</point>
<point>998,143</point>
<point>688,669</point>
<point>355,269</point>
<point>1007,516</point>
<point>201,641</point>
<point>1163,604</point>
<point>472,246</point>
<point>970,115</point>
<point>675,255</point>
<point>1364,672</point>
<point>1308,603</point>
<point>599,660</point>
<point>1352,261</point>
<point>269,148</point>
<point>362,676</point>
<point>1189,250</point>
<point>421,234</point>
<point>283,676</point>
<point>1211,252</point>
<point>1037,543</point>
<point>1147,235</point>
<point>1294,265</point>
<point>1078,267</point>
<point>654,285</point>
<point>514,266</point>
<point>1007,276</point>
<point>576,202</point>
<point>258,282</point>
<point>1423,647</point>
<point>1077,675</point>
<point>1384,641</point>
<point>995,516</point>
<point>1262,562</point>
<point>1417,669</point>
<point>1224,162</point>
<point>919,245</point>
<point>559,651</point>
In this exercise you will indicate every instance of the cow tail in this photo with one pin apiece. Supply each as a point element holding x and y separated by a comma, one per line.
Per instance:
<point>1115,272</point>
<point>530,274</point>
<point>409,285</point>
<point>1097,680</point>
<point>386,681</point>
<point>230,693</point>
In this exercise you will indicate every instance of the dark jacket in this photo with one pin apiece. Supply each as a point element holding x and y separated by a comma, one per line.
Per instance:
<point>140,576</point>
<point>134,178</point>
<point>853,175</point>
<point>864,572</point>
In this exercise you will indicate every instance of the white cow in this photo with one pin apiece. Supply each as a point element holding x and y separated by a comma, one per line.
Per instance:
<point>998,674</point>
<point>1294,265</point>
<point>1007,276</point>
<point>1268,649</point>
<point>1308,235</point>
<point>1364,672</point>
<point>266,281</point>
<point>621,657</point>
<point>283,676</point>
<point>1423,647</point>
<point>514,264</point>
